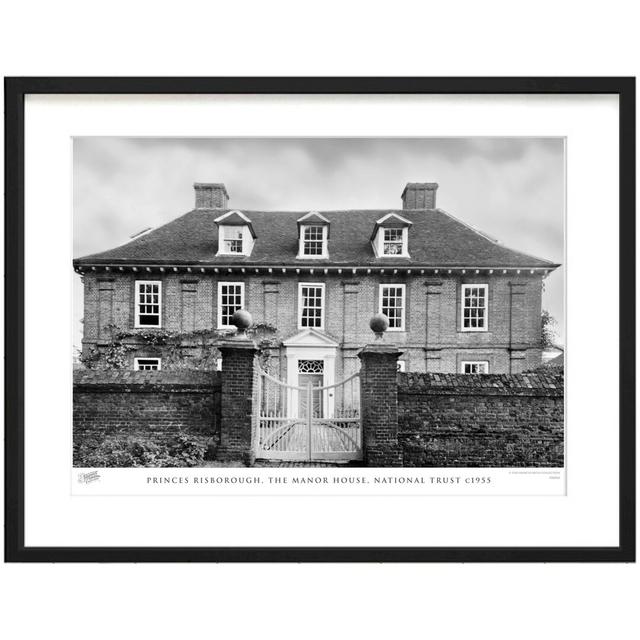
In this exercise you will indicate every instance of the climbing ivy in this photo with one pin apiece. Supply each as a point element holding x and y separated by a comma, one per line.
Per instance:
<point>177,348</point>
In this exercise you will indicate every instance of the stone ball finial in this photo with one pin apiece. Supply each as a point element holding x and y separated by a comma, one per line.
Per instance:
<point>242,320</point>
<point>379,323</point>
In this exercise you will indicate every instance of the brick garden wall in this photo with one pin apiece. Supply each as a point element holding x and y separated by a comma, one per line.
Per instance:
<point>453,420</point>
<point>444,420</point>
<point>152,404</point>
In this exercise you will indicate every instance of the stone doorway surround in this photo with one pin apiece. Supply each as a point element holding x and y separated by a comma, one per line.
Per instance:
<point>310,344</point>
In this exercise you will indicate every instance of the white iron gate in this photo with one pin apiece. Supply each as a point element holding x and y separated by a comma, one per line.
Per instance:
<point>309,422</point>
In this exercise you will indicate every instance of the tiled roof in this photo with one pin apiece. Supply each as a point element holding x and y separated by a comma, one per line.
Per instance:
<point>435,239</point>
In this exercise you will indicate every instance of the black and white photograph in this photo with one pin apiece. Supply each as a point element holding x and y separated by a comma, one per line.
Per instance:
<point>318,302</point>
<point>320,320</point>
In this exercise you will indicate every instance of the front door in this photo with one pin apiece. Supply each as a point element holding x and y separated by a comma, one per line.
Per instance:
<point>315,380</point>
<point>310,372</point>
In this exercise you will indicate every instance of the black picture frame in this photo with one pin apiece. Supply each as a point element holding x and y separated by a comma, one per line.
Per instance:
<point>15,91</point>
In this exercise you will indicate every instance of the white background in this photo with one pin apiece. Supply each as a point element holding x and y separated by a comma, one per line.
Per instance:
<point>587,516</point>
<point>461,601</point>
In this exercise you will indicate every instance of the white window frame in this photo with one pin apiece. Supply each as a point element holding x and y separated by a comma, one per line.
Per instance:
<point>247,240</point>
<point>485,326</point>
<point>393,221</point>
<point>226,229</point>
<point>137,324</point>
<point>325,238</point>
<point>484,363</point>
<point>136,364</point>
<point>246,230</point>
<point>225,284</point>
<point>404,231</point>
<point>403,323</point>
<point>301,307</point>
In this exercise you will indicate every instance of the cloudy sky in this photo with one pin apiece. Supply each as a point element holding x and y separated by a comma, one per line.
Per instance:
<point>511,188</point>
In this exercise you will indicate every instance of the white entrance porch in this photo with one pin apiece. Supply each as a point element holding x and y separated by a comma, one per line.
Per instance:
<point>311,359</point>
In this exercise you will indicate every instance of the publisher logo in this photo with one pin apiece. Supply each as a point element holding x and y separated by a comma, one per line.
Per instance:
<point>88,477</point>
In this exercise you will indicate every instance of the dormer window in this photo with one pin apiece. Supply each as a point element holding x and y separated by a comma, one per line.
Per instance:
<point>235,234</point>
<point>390,237</point>
<point>393,242</point>
<point>313,241</point>
<point>313,236</point>
<point>232,240</point>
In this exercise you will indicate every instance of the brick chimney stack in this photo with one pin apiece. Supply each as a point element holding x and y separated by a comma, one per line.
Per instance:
<point>211,195</point>
<point>419,195</point>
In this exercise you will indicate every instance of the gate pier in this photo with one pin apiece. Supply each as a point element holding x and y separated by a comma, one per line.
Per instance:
<point>237,398</point>
<point>379,399</point>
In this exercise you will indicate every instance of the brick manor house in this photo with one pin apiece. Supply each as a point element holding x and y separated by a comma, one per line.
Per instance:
<point>457,300</point>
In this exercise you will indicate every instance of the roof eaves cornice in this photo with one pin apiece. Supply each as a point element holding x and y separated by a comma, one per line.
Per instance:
<point>405,266</point>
